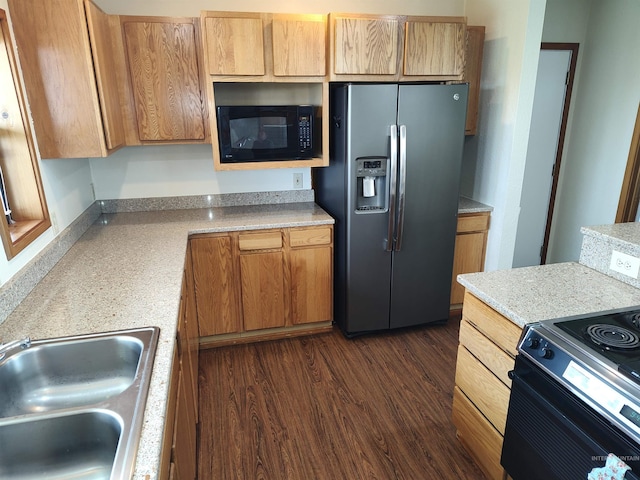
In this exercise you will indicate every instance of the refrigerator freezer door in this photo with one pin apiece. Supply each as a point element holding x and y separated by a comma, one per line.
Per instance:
<point>434,116</point>
<point>370,113</point>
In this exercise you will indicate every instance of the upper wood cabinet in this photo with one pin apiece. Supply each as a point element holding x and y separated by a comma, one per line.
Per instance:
<point>243,46</point>
<point>164,75</point>
<point>396,48</point>
<point>70,101</point>
<point>234,45</point>
<point>434,47</point>
<point>365,45</point>
<point>472,74</point>
<point>299,45</point>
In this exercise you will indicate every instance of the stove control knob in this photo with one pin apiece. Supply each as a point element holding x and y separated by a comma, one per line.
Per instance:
<point>546,352</point>
<point>533,343</point>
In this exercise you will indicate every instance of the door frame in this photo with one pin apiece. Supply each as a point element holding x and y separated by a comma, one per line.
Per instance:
<point>573,47</point>
<point>630,192</point>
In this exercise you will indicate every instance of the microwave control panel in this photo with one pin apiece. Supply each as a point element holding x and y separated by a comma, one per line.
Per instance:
<point>304,132</point>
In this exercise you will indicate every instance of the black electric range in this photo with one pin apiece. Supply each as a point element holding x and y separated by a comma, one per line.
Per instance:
<point>597,358</point>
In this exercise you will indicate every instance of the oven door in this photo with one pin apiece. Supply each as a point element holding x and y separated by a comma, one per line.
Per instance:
<point>551,434</point>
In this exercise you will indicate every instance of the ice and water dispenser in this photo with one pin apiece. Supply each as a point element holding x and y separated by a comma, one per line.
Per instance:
<point>372,192</point>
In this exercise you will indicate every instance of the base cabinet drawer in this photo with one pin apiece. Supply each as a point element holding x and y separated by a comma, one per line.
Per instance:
<point>483,388</point>
<point>478,436</point>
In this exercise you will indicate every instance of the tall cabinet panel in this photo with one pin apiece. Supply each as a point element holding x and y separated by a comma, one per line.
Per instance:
<point>57,62</point>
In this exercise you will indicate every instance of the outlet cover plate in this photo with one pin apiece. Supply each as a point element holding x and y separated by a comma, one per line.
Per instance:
<point>625,264</point>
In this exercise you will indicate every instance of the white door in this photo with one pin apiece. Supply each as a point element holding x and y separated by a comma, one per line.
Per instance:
<point>546,121</point>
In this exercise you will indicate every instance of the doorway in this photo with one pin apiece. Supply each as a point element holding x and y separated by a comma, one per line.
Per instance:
<point>554,85</point>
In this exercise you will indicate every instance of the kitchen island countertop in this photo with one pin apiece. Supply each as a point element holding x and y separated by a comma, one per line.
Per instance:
<point>126,272</point>
<point>530,294</point>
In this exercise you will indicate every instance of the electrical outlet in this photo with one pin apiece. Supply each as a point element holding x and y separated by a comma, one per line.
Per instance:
<point>297,180</point>
<point>625,264</point>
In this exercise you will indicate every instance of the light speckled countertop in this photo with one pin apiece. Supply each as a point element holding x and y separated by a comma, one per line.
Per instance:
<point>531,294</point>
<point>126,272</point>
<point>467,205</point>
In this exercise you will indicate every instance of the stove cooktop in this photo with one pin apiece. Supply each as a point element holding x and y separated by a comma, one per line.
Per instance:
<point>614,336</point>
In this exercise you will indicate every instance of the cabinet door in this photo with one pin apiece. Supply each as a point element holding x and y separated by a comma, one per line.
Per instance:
<point>311,285</point>
<point>468,258</point>
<point>365,45</point>
<point>216,287</point>
<point>299,45</point>
<point>184,439</point>
<point>163,68</point>
<point>263,292</point>
<point>434,48</point>
<point>56,60</point>
<point>235,46</point>
<point>190,328</point>
<point>472,73</point>
<point>100,32</point>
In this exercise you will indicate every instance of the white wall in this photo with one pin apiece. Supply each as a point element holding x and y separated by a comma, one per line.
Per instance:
<point>496,156</point>
<point>604,112</point>
<point>175,170</point>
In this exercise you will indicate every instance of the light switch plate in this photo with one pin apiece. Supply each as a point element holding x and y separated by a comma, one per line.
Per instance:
<point>625,264</point>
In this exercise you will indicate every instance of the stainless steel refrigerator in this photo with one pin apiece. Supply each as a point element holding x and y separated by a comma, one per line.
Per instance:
<point>392,185</point>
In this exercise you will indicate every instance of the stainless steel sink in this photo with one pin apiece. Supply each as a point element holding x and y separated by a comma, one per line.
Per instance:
<point>70,373</point>
<point>72,407</point>
<point>78,445</point>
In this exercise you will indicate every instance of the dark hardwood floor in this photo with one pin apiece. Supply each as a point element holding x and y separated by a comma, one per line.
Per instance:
<point>325,407</point>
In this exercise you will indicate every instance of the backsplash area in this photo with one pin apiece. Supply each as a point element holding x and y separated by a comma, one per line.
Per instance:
<point>599,244</point>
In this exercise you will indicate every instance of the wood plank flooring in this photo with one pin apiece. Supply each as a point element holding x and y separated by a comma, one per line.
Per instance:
<point>325,407</point>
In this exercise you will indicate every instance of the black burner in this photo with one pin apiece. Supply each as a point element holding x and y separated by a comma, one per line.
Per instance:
<point>613,336</point>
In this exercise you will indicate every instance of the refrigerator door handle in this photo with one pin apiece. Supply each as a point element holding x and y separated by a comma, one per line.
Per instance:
<point>403,183</point>
<point>393,180</point>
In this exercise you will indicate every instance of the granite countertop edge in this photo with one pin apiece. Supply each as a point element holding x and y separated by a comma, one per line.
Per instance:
<point>467,205</point>
<point>126,272</point>
<point>531,294</point>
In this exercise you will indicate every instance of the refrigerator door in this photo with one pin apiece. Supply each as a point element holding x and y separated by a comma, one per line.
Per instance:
<point>433,117</point>
<point>370,112</point>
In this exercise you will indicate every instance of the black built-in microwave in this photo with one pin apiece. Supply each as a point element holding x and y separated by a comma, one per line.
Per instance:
<point>267,133</point>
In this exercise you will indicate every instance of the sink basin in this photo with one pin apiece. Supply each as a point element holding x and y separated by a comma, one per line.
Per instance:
<point>68,373</point>
<point>72,408</point>
<point>79,446</point>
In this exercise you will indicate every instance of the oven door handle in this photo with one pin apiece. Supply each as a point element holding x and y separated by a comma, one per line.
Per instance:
<point>511,374</point>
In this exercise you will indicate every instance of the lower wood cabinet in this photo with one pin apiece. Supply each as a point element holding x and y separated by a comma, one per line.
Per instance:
<point>262,282</point>
<point>178,458</point>
<point>470,249</point>
<point>486,354</point>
